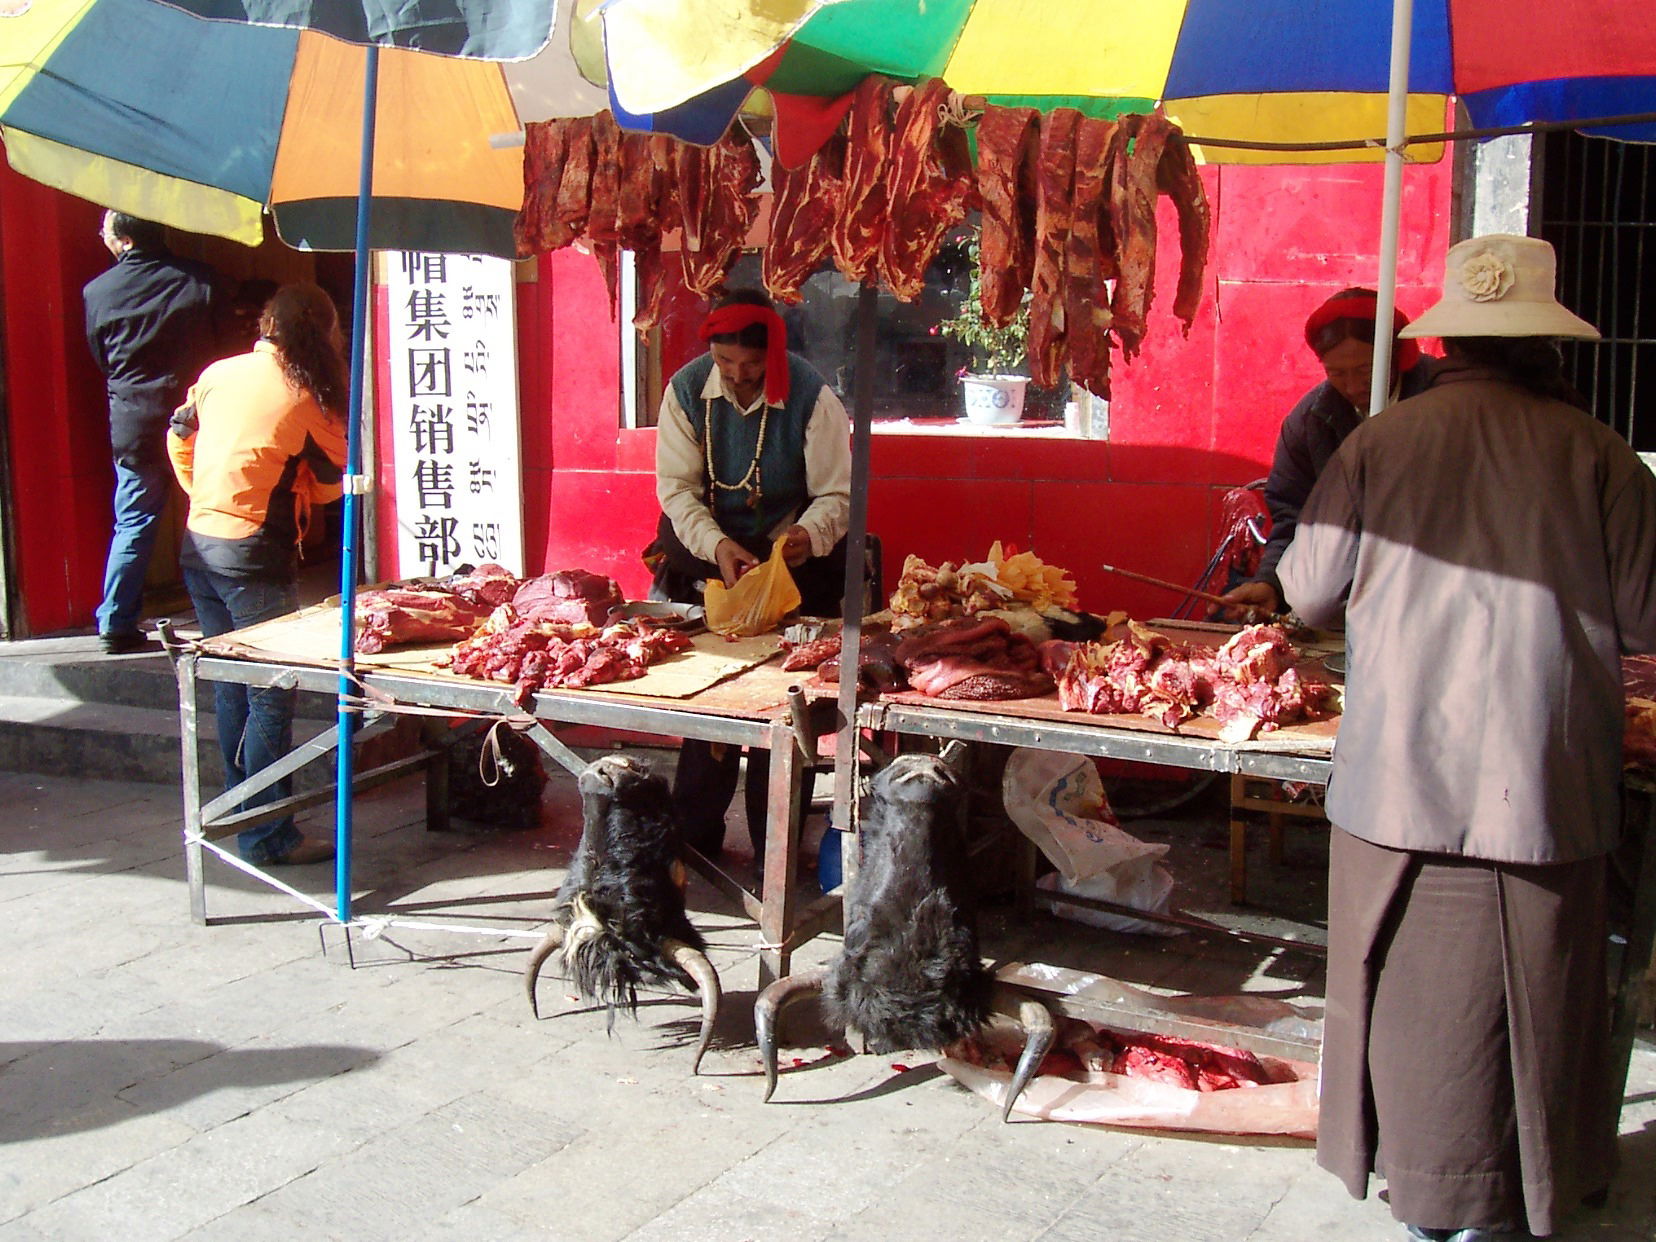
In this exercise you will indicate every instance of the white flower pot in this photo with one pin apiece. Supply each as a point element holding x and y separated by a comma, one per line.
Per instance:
<point>994,399</point>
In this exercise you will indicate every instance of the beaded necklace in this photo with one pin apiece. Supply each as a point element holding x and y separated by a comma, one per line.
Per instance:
<point>749,482</point>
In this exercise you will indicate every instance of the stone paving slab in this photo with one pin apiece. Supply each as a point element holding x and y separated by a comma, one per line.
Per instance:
<point>160,1080</point>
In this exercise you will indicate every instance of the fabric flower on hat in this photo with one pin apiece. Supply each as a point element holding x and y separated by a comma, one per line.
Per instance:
<point>1486,277</point>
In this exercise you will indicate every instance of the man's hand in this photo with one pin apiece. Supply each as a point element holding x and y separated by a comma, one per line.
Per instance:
<point>733,560</point>
<point>1248,603</point>
<point>798,547</point>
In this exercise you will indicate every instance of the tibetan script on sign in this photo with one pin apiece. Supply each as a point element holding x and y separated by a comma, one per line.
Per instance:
<point>459,489</point>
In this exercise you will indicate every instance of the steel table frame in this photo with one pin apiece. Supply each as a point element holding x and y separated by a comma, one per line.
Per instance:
<point>784,921</point>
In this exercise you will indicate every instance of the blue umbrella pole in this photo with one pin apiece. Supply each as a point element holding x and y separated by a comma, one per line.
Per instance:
<point>349,549</point>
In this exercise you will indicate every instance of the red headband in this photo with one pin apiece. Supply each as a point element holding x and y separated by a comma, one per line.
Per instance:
<point>1405,353</point>
<point>738,315</point>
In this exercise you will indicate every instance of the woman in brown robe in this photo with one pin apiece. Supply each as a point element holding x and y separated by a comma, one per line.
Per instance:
<point>1493,549</point>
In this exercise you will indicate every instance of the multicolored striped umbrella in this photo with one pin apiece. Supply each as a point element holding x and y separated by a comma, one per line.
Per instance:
<point>203,125</point>
<point>1258,71</point>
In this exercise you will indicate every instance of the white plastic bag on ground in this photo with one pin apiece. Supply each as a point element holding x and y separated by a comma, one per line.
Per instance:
<point>1058,802</point>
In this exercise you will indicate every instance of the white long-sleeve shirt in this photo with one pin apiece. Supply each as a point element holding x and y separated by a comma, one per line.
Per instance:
<point>681,471</point>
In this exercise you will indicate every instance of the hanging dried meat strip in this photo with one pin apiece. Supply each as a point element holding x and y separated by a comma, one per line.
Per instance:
<point>1177,177</point>
<point>803,212</point>
<point>861,224</point>
<point>645,208</point>
<point>537,227</point>
<point>1133,199</point>
<point>575,186</point>
<point>1008,141</point>
<point>930,189</point>
<point>602,234</point>
<point>1090,258</point>
<point>716,188</point>
<point>1055,179</point>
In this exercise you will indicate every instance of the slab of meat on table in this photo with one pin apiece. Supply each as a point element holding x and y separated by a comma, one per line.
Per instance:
<point>394,615</point>
<point>803,212</point>
<point>930,188</point>
<point>488,586</point>
<point>861,224</point>
<point>568,597</point>
<point>979,658</point>
<point>1008,142</point>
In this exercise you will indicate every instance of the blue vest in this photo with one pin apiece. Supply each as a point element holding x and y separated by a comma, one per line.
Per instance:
<point>735,437</point>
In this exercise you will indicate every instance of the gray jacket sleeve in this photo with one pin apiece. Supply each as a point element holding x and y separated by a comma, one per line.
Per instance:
<point>1317,570</point>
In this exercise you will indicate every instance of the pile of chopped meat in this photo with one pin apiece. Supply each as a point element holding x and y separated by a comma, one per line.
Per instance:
<point>1248,685</point>
<point>980,658</point>
<point>537,655</point>
<point>1085,1050</point>
<point>1068,202</point>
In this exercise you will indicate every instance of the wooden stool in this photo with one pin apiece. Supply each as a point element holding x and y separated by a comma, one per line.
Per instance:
<point>1257,793</point>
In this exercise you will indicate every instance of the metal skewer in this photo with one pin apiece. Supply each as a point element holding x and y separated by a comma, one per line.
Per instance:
<point>1171,586</point>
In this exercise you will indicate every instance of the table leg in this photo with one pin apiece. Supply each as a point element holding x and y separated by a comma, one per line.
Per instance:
<point>1238,843</point>
<point>189,733</point>
<point>783,812</point>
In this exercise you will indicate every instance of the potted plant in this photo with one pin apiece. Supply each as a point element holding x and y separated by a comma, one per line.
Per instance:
<point>993,391</point>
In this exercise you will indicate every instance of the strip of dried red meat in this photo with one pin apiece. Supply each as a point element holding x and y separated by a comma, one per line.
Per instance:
<point>861,224</point>
<point>716,188</point>
<point>575,186</point>
<point>1055,180</point>
<point>1133,196</point>
<point>604,205</point>
<point>930,188</point>
<point>1008,141</point>
<point>1090,258</point>
<point>1177,177</point>
<point>803,212</point>
<point>537,228</point>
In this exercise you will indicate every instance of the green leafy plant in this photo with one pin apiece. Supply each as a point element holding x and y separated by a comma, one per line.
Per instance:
<point>995,350</point>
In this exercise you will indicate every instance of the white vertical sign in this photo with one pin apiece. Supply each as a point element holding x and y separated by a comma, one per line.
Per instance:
<point>454,406</point>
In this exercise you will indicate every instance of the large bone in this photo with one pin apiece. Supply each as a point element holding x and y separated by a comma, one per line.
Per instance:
<point>767,1011</point>
<point>545,949</point>
<point>695,964</point>
<point>1039,1025</point>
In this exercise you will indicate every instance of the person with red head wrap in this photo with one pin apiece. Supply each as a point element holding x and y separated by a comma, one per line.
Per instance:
<point>752,446</point>
<point>1341,333</point>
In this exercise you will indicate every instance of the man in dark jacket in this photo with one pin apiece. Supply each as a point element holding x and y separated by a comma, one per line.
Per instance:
<point>150,324</point>
<point>1341,333</point>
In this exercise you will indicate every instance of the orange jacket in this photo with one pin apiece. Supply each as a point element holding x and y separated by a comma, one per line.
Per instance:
<point>254,453</point>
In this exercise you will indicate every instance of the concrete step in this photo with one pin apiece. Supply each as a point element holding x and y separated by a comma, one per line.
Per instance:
<point>57,736</point>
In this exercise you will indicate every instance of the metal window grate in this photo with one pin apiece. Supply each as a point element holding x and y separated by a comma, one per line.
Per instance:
<point>1596,203</point>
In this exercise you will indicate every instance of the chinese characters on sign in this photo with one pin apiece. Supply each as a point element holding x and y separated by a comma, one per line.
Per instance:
<point>454,401</point>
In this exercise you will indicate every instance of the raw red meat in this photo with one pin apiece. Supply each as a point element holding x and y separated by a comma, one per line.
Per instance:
<point>861,225</point>
<point>487,586</point>
<point>803,212</point>
<point>972,658</point>
<point>1008,141</point>
<point>644,211</point>
<point>811,654</point>
<point>716,187</point>
<point>1090,258</point>
<point>413,614</point>
<point>532,656</point>
<point>1177,177</point>
<point>575,185</point>
<point>1055,185</point>
<point>930,188</point>
<point>568,597</point>
<point>603,203</point>
<point>1133,204</point>
<point>537,227</point>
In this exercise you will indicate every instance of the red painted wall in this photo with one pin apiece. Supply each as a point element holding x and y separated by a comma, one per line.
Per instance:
<point>1192,415</point>
<point>57,420</point>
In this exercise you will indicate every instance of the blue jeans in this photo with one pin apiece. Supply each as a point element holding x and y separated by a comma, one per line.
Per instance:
<point>255,726</point>
<point>141,489</point>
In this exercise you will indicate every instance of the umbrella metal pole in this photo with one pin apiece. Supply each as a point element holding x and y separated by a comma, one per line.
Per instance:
<point>349,551</point>
<point>1397,113</point>
<point>848,749</point>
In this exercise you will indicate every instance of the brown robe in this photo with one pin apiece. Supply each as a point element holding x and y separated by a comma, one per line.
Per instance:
<point>1493,553</point>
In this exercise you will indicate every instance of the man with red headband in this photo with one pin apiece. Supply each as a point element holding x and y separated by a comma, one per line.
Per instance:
<point>1341,333</point>
<point>752,445</point>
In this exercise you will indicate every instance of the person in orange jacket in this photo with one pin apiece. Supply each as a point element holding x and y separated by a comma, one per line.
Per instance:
<point>259,440</point>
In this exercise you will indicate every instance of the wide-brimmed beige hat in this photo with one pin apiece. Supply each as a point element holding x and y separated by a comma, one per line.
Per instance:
<point>1500,285</point>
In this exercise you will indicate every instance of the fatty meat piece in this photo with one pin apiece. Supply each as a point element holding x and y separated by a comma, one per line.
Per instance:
<point>803,212</point>
<point>1090,260</point>
<point>930,186</point>
<point>861,224</point>
<point>1008,142</point>
<point>1048,348</point>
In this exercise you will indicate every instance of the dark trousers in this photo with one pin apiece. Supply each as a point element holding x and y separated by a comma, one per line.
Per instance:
<point>704,785</point>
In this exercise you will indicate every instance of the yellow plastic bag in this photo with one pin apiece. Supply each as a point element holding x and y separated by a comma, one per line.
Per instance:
<point>758,601</point>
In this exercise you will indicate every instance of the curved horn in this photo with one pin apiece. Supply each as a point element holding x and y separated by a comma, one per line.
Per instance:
<point>545,949</point>
<point>768,1009</point>
<point>1040,1026</point>
<point>694,963</point>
